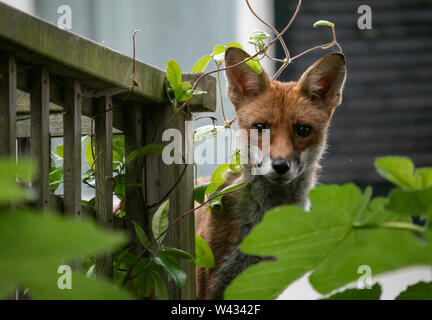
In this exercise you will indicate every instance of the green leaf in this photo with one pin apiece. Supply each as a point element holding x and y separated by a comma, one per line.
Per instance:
<point>177,253</point>
<point>217,178</point>
<point>120,186</point>
<point>59,150</point>
<point>207,132</point>
<point>174,75</point>
<point>374,248</point>
<point>142,236</point>
<point>161,292</point>
<point>160,221</point>
<point>91,272</point>
<point>203,254</point>
<point>147,150</point>
<point>218,49</point>
<point>415,203</point>
<point>234,44</point>
<point>202,64</point>
<point>118,148</point>
<point>10,190</point>
<point>172,268</point>
<point>88,153</point>
<point>254,65</point>
<point>183,92</point>
<point>333,240</point>
<point>320,23</point>
<point>199,193</point>
<point>219,54</point>
<point>56,178</point>
<point>7,290</point>
<point>42,243</point>
<point>373,293</point>
<point>400,171</point>
<point>419,291</point>
<point>257,39</point>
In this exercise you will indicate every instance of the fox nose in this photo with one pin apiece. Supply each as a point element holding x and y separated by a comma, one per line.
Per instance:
<point>280,166</point>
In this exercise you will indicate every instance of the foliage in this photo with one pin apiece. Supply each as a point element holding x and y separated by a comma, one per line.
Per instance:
<point>344,230</point>
<point>419,291</point>
<point>44,241</point>
<point>373,293</point>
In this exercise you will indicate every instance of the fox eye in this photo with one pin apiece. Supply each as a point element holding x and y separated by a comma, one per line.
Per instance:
<point>260,127</point>
<point>303,130</point>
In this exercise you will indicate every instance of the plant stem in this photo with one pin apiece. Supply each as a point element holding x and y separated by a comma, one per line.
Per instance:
<point>392,225</point>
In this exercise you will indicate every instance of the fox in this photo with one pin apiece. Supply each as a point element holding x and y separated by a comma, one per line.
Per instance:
<point>298,115</point>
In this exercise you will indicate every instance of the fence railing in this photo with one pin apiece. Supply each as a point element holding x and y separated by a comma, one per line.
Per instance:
<point>55,81</point>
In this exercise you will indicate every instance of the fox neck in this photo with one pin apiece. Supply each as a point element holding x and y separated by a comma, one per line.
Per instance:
<point>268,195</point>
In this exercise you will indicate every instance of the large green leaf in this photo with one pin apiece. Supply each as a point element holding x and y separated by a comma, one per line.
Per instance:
<point>41,243</point>
<point>160,221</point>
<point>400,171</point>
<point>419,291</point>
<point>338,236</point>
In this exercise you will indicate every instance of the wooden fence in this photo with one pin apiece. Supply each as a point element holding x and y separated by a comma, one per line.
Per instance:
<point>60,81</point>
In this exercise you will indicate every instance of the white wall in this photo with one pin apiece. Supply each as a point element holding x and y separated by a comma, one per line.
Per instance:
<point>246,23</point>
<point>24,5</point>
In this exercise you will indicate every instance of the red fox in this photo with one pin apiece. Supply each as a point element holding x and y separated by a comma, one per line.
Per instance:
<point>298,116</point>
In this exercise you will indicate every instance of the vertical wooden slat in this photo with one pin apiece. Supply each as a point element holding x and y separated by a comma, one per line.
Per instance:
<point>8,83</point>
<point>72,149</point>
<point>159,180</point>
<point>23,152</point>
<point>104,182</point>
<point>72,152</point>
<point>39,132</point>
<point>134,139</point>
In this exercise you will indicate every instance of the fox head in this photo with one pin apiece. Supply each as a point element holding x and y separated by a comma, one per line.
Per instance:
<point>297,114</point>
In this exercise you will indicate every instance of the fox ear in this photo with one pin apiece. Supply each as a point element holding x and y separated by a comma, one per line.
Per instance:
<point>323,82</point>
<point>243,84</point>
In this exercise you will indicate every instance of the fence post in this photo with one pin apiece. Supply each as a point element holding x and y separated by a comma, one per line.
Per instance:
<point>104,177</point>
<point>8,84</point>
<point>160,178</point>
<point>134,139</point>
<point>72,151</point>
<point>39,132</point>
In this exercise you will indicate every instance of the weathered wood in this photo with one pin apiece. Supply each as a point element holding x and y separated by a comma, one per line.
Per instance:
<point>56,126</point>
<point>104,177</point>
<point>8,85</point>
<point>134,139</point>
<point>72,148</point>
<point>40,139</point>
<point>73,56</point>
<point>160,178</point>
